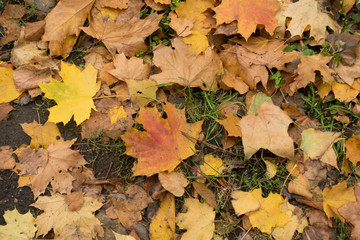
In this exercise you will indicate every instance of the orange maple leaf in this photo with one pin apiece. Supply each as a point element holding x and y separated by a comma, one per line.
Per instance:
<point>163,146</point>
<point>248,14</point>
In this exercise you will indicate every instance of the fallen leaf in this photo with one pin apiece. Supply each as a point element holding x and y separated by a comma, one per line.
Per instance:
<point>256,101</point>
<point>306,13</point>
<point>123,237</point>
<point>352,146</point>
<point>162,225</point>
<point>193,10</point>
<point>163,146</point>
<point>336,197</point>
<point>230,123</point>
<point>174,182</point>
<point>244,202</point>
<point>181,67</point>
<point>198,220</point>
<point>248,15</point>
<point>59,217</point>
<point>142,92</point>
<point>46,164</point>
<point>8,91</point>
<point>271,169</point>
<point>267,128</point>
<point>315,142</point>
<point>18,226</point>
<point>344,92</point>
<point>127,37</point>
<point>28,53</point>
<point>73,95</point>
<point>205,193</point>
<point>182,26</point>
<point>9,20</point>
<point>42,135</point>
<point>269,215</point>
<point>28,76</point>
<point>7,161</point>
<point>128,210</point>
<point>120,4</point>
<point>75,201</point>
<point>66,19</point>
<point>212,166</point>
<point>116,113</point>
<point>5,109</point>
<point>350,212</point>
<point>130,69</point>
<point>301,186</point>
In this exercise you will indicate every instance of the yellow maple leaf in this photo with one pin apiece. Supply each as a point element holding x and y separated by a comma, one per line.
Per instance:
<point>59,217</point>
<point>19,226</point>
<point>337,196</point>
<point>42,135</point>
<point>162,225</point>
<point>198,220</point>
<point>8,91</point>
<point>269,215</point>
<point>73,95</point>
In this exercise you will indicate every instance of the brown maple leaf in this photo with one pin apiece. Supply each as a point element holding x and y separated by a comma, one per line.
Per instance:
<point>127,38</point>
<point>248,14</point>
<point>46,164</point>
<point>163,146</point>
<point>182,67</point>
<point>66,19</point>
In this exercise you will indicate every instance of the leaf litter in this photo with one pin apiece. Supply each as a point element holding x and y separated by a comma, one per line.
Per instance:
<point>151,139</point>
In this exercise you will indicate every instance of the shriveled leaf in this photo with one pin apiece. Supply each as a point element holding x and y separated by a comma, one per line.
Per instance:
<point>205,193</point>
<point>248,15</point>
<point>267,129</point>
<point>271,169</point>
<point>198,220</point>
<point>59,217</point>
<point>162,225</point>
<point>163,145</point>
<point>66,19</point>
<point>174,182</point>
<point>18,226</point>
<point>42,135</point>
<point>7,161</point>
<point>181,67</point>
<point>73,95</point>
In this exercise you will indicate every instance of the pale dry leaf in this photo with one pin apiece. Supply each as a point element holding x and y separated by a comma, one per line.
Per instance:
<point>174,182</point>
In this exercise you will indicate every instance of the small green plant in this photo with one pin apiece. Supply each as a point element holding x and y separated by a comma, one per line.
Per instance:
<point>297,47</point>
<point>356,16</point>
<point>341,229</point>
<point>329,49</point>
<point>277,78</point>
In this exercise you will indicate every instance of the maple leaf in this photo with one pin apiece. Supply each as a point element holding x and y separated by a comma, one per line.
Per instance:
<point>8,91</point>
<point>42,135</point>
<point>181,67</point>
<point>133,68</point>
<point>66,19</point>
<point>308,13</point>
<point>59,217</point>
<point>18,226</point>
<point>73,95</point>
<point>264,213</point>
<point>198,220</point>
<point>336,197</point>
<point>248,14</point>
<point>193,10</point>
<point>127,38</point>
<point>163,146</point>
<point>162,225</point>
<point>230,124</point>
<point>267,128</point>
<point>50,165</point>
